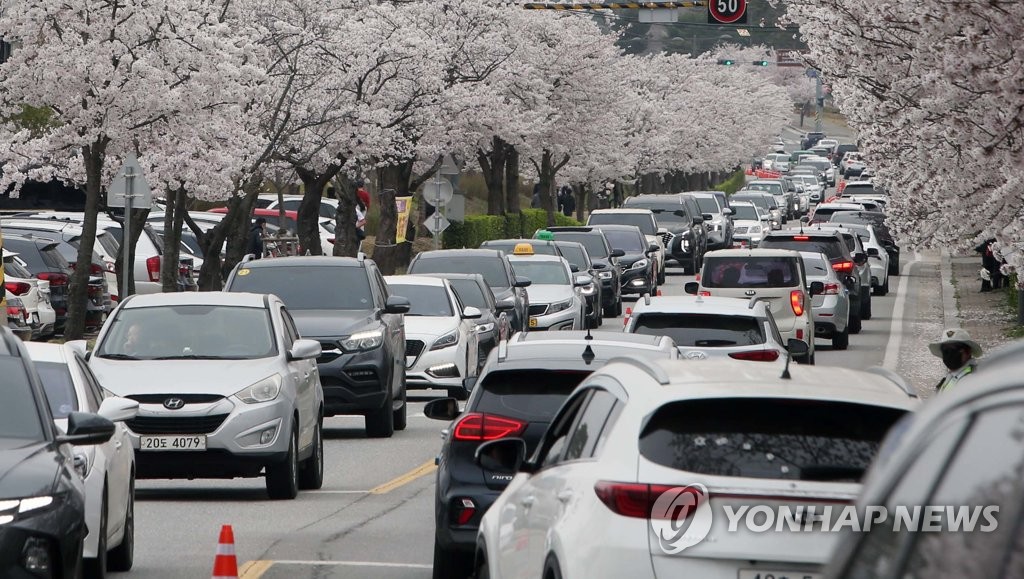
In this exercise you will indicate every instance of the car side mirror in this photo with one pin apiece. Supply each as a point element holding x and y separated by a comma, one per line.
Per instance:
<point>805,219</point>
<point>505,455</point>
<point>728,211</point>
<point>87,429</point>
<point>522,282</point>
<point>817,288</point>
<point>653,248</point>
<point>698,220</point>
<point>574,268</point>
<point>442,409</point>
<point>505,306</point>
<point>471,313</point>
<point>797,348</point>
<point>117,409</point>
<point>872,252</point>
<point>860,258</point>
<point>707,217</point>
<point>304,350</point>
<point>582,280</point>
<point>617,253</point>
<point>691,287</point>
<point>766,218</point>
<point>397,305</point>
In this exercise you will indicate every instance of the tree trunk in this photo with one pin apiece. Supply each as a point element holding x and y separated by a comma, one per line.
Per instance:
<point>346,242</point>
<point>583,191</point>
<point>512,180</point>
<point>238,227</point>
<point>93,155</point>
<point>492,164</point>
<point>173,220</point>
<point>547,171</point>
<point>394,181</point>
<point>309,210</point>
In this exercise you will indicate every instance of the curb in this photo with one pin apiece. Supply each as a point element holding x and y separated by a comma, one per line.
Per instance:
<point>950,312</point>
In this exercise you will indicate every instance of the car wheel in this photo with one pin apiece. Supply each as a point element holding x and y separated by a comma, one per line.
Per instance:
<point>694,267</point>
<point>661,276</point>
<point>618,308</point>
<point>482,570</point>
<point>380,423</point>
<point>608,311</point>
<point>122,557</point>
<point>283,478</point>
<point>841,340</point>
<point>551,570</point>
<point>894,267</point>
<point>96,567</point>
<point>451,564</point>
<point>865,306</point>
<point>401,415</point>
<point>311,477</point>
<point>855,325</point>
<point>881,290</point>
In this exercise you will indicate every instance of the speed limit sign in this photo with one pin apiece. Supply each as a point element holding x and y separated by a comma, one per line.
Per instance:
<point>727,11</point>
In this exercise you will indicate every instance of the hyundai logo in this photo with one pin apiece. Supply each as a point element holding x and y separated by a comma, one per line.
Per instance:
<point>174,403</point>
<point>750,293</point>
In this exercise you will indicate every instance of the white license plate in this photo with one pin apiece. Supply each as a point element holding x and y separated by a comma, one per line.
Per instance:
<point>755,574</point>
<point>172,442</point>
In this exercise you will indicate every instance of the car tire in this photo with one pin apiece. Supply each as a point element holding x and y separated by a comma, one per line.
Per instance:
<point>894,267</point>
<point>96,567</point>
<point>883,289</point>
<point>122,557</point>
<point>618,307</point>
<point>282,478</point>
<point>608,311</point>
<point>661,276</point>
<point>855,325</point>
<point>865,306</point>
<point>551,569</point>
<point>380,423</point>
<point>450,564</point>
<point>483,571</point>
<point>401,415</point>
<point>311,477</point>
<point>694,266</point>
<point>841,340</point>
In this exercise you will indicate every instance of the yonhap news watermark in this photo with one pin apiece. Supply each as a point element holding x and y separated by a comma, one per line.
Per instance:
<point>683,516</point>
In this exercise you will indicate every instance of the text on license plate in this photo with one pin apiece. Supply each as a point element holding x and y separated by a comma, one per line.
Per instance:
<point>533,322</point>
<point>176,442</point>
<point>752,574</point>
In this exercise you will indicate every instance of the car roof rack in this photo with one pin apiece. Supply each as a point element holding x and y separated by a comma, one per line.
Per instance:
<point>248,257</point>
<point>648,366</point>
<point>895,379</point>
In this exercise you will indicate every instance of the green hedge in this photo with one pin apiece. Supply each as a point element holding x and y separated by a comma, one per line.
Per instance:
<point>734,183</point>
<point>477,229</point>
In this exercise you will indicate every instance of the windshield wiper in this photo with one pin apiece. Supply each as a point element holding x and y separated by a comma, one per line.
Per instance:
<point>829,472</point>
<point>196,357</point>
<point>118,357</point>
<point>714,343</point>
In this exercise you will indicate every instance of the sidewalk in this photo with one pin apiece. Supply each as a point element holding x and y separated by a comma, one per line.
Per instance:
<point>832,125</point>
<point>986,316</point>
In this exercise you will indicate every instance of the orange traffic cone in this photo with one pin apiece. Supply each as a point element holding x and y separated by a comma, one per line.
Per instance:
<point>225,565</point>
<point>659,293</point>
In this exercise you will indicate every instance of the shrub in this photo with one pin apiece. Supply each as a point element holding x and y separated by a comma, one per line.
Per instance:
<point>477,229</point>
<point>734,183</point>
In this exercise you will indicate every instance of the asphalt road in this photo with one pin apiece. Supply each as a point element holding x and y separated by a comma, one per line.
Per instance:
<point>374,516</point>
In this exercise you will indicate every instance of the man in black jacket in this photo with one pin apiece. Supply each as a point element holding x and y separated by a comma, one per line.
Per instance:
<point>255,243</point>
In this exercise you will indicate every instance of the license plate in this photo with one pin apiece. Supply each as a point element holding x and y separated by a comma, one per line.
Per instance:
<point>533,322</point>
<point>754,574</point>
<point>173,443</point>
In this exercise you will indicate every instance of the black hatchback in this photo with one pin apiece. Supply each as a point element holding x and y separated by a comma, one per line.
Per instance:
<point>519,390</point>
<point>42,498</point>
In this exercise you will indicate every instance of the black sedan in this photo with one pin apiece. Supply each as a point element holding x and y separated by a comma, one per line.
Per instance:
<point>638,262</point>
<point>42,496</point>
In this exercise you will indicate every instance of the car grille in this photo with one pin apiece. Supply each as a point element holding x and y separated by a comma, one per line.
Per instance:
<point>741,230</point>
<point>413,348</point>
<point>538,309</point>
<point>186,398</point>
<point>176,424</point>
<point>666,238</point>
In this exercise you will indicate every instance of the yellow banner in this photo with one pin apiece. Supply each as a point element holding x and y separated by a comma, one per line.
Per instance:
<point>403,205</point>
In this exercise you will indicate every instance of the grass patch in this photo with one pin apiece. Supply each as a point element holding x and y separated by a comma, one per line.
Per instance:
<point>1014,332</point>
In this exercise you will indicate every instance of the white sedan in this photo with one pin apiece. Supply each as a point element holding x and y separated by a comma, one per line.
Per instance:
<point>109,468</point>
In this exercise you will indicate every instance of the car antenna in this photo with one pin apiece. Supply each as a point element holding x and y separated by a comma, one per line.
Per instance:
<point>785,370</point>
<point>588,355</point>
<point>589,335</point>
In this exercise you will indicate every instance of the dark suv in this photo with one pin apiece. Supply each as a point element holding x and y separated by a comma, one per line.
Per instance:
<point>605,261</point>
<point>685,237</point>
<point>810,139</point>
<point>509,290</point>
<point>343,303</point>
<point>519,390</point>
<point>639,258</point>
<point>852,268</point>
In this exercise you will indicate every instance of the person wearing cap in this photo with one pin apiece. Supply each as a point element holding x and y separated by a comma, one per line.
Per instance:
<point>255,243</point>
<point>959,353</point>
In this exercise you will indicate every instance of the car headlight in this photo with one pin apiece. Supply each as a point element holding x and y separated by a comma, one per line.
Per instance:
<point>362,341</point>
<point>11,510</point>
<point>639,264</point>
<point>755,229</point>
<point>588,290</point>
<point>559,306</point>
<point>445,341</point>
<point>484,328</point>
<point>604,275</point>
<point>265,390</point>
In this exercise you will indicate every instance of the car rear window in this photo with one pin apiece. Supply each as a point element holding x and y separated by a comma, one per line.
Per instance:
<point>308,287</point>
<point>109,245</point>
<point>745,271</point>
<point>15,269</point>
<point>864,189</point>
<point>830,246</point>
<point>769,438</point>
<point>530,395</point>
<point>643,221</point>
<point>53,259</point>
<point>703,330</point>
<point>59,387</point>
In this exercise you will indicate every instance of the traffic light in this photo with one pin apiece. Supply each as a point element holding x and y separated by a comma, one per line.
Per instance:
<point>726,61</point>
<point>760,63</point>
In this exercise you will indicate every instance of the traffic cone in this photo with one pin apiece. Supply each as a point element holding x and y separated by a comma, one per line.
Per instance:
<point>225,565</point>
<point>659,293</point>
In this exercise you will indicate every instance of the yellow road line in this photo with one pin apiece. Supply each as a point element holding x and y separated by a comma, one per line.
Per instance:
<point>423,469</point>
<point>254,569</point>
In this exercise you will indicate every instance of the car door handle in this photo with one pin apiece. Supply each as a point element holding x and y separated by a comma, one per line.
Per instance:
<point>527,501</point>
<point>565,496</point>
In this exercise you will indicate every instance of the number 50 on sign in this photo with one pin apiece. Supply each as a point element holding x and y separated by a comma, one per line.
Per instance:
<point>727,12</point>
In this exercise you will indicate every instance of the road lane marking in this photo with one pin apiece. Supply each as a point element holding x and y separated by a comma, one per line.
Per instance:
<point>330,492</point>
<point>254,569</point>
<point>892,350</point>
<point>357,564</point>
<point>423,469</point>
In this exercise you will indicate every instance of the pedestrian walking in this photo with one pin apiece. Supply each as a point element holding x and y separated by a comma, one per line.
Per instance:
<point>568,202</point>
<point>360,220</point>
<point>959,354</point>
<point>991,265</point>
<point>256,233</point>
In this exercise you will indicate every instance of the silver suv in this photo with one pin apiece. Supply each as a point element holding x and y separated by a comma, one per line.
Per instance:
<point>226,388</point>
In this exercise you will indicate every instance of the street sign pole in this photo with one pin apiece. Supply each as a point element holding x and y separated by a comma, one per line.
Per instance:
<point>127,268</point>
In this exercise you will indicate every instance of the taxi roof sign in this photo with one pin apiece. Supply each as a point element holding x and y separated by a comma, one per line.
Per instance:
<point>545,235</point>
<point>523,249</point>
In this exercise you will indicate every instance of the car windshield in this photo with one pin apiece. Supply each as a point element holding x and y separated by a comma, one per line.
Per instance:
<point>642,221</point>
<point>769,438</point>
<point>575,256</point>
<point>308,287</point>
<point>744,212</point>
<point>470,293</point>
<point>828,245</point>
<point>703,330</point>
<point>425,300</point>
<point>59,387</point>
<point>746,271</point>
<point>594,242</point>
<point>509,247</point>
<point>491,267</point>
<point>19,416</point>
<point>708,205</point>
<point>541,272</point>
<point>628,241</point>
<point>532,395</point>
<point>213,332</point>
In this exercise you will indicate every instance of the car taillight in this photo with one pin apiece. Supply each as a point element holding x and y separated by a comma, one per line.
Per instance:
<point>153,268</point>
<point>756,355</point>
<point>831,289</point>
<point>704,293</point>
<point>800,238</point>
<point>796,300</point>
<point>463,510</point>
<point>95,269</point>
<point>480,427</point>
<point>54,278</point>
<point>18,288</point>
<point>330,240</point>
<point>843,266</point>
<point>637,499</point>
